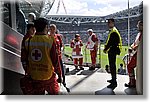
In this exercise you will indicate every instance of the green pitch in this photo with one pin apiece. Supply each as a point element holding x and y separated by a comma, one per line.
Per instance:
<point>101,56</point>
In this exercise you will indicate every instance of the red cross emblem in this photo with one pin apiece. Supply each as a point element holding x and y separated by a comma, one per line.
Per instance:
<point>36,54</point>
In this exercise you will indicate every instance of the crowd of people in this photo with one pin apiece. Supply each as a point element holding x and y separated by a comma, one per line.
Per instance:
<point>100,29</point>
<point>41,56</point>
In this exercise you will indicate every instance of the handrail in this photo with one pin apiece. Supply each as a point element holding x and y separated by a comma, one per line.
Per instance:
<point>10,51</point>
<point>11,46</point>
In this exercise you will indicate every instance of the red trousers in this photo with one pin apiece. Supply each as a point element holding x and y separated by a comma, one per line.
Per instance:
<point>76,61</point>
<point>93,54</point>
<point>132,64</point>
<point>37,87</point>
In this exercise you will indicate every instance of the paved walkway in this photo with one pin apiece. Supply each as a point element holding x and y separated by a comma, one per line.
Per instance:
<point>85,82</point>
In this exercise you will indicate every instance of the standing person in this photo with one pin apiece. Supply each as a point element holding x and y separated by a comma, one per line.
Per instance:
<point>121,70</point>
<point>92,45</point>
<point>30,33</point>
<point>113,48</point>
<point>43,60</point>
<point>132,63</point>
<point>31,17</point>
<point>20,19</point>
<point>76,45</point>
<point>127,58</point>
<point>59,45</point>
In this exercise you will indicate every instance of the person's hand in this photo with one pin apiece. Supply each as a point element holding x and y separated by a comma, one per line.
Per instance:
<point>25,65</point>
<point>130,48</point>
<point>59,80</point>
<point>96,47</point>
<point>134,47</point>
<point>104,51</point>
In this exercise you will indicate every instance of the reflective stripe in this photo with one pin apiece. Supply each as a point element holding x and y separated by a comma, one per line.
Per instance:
<point>49,45</point>
<point>39,48</point>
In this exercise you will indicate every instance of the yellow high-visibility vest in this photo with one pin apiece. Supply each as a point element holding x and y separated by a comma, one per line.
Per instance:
<point>116,31</point>
<point>40,64</point>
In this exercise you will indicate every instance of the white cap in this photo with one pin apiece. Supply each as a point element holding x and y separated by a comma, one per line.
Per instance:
<point>89,30</point>
<point>34,16</point>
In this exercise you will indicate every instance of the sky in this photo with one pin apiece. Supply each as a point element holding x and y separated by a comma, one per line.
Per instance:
<point>92,7</point>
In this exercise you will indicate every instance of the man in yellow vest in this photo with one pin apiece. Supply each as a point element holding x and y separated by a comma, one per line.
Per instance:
<point>43,60</point>
<point>113,48</point>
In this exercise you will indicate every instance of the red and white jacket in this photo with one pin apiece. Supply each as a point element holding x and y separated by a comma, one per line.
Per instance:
<point>76,48</point>
<point>91,42</point>
<point>136,42</point>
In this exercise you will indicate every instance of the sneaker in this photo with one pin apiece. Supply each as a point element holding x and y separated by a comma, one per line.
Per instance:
<point>129,86</point>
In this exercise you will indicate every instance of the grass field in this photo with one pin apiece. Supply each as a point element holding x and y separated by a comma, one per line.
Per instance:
<point>101,58</point>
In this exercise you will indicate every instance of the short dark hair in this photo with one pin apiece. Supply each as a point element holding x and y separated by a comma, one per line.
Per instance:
<point>130,50</point>
<point>106,66</point>
<point>111,19</point>
<point>40,24</point>
<point>121,64</point>
<point>29,26</point>
<point>77,35</point>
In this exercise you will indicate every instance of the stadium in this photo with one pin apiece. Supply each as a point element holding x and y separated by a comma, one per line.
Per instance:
<point>70,25</point>
<point>14,18</point>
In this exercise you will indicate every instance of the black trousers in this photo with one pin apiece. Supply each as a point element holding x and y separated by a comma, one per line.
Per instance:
<point>112,64</point>
<point>62,69</point>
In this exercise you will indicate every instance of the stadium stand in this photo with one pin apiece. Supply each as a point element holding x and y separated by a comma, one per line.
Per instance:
<point>71,25</point>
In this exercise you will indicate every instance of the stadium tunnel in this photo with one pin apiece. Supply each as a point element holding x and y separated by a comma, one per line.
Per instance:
<point>11,69</point>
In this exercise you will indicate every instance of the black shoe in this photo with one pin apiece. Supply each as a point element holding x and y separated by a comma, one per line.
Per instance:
<point>64,84</point>
<point>91,68</point>
<point>110,81</point>
<point>59,80</point>
<point>67,70</point>
<point>77,69</point>
<point>129,86</point>
<point>81,68</point>
<point>112,86</point>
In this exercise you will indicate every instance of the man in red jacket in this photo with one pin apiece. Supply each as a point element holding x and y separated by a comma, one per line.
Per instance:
<point>92,45</point>
<point>76,45</point>
<point>133,61</point>
<point>59,44</point>
<point>43,61</point>
<point>30,32</point>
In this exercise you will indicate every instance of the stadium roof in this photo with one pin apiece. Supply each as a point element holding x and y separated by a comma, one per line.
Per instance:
<point>134,12</point>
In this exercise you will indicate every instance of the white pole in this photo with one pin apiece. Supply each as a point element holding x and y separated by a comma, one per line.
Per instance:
<point>128,25</point>
<point>128,58</point>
